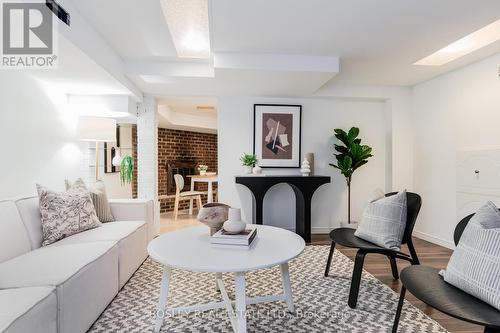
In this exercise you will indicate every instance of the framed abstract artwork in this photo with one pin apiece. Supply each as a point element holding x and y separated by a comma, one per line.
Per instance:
<point>277,135</point>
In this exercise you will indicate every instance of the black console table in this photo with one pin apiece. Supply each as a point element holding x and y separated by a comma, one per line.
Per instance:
<point>304,188</point>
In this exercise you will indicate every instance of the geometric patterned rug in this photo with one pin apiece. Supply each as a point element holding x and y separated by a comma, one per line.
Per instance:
<point>320,303</point>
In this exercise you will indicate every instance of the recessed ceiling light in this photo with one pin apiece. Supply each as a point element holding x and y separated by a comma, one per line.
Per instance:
<point>187,21</point>
<point>470,43</point>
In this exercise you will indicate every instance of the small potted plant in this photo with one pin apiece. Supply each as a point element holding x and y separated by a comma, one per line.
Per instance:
<point>202,168</point>
<point>248,161</point>
<point>126,170</point>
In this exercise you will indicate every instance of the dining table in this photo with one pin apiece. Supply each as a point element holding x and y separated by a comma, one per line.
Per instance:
<point>209,179</point>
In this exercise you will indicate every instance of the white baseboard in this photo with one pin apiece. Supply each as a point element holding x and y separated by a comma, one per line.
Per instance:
<point>434,239</point>
<point>321,230</point>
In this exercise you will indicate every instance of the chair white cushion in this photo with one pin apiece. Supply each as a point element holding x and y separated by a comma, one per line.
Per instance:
<point>132,238</point>
<point>474,266</point>
<point>85,275</point>
<point>384,221</point>
<point>14,239</point>
<point>28,310</point>
<point>190,193</point>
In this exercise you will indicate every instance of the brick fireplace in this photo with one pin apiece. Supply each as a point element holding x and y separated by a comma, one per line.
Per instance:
<point>181,152</point>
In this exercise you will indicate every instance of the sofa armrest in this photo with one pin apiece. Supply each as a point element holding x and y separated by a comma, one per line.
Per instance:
<point>135,210</point>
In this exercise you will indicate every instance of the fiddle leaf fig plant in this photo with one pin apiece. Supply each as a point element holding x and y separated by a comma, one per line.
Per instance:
<point>350,155</point>
<point>126,170</point>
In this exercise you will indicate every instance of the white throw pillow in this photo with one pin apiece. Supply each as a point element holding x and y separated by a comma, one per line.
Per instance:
<point>99,198</point>
<point>474,266</point>
<point>65,213</point>
<point>384,221</point>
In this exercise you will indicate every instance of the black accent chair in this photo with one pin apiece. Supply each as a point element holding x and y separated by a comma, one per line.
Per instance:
<point>345,237</point>
<point>427,285</point>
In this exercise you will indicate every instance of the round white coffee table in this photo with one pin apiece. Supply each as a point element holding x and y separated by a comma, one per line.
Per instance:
<point>190,249</point>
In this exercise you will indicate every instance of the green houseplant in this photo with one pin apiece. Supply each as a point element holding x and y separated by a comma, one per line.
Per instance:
<point>248,161</point>
<point>350,155</point>
<point>126,170</point>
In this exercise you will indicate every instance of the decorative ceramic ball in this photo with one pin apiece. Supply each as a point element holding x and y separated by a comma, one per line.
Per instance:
<point>213,215</point>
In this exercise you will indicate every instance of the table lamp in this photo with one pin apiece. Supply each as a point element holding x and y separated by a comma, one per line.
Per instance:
<point>96,129</point>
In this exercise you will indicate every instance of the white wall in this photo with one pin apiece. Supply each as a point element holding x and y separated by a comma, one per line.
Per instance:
<point>37,138</point>
<point>319,117</point>
<point>456,110</point>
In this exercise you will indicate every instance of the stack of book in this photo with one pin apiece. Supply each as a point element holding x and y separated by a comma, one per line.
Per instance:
<point>242,240</point>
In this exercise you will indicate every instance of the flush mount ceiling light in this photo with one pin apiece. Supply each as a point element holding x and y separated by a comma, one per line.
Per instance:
<point>470,43</point>
<point>187,21</point>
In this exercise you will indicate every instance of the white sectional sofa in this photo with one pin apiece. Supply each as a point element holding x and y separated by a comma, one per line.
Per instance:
<point>65,286</point>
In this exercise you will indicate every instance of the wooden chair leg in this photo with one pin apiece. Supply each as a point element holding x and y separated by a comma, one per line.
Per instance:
<point>394,267</point>
<point>176,207</point>
<point>198,200</point>
<point>356,279</point>
<point>330,255</point>
<point>398,311</point>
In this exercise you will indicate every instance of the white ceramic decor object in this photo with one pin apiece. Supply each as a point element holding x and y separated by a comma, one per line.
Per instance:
<point>234,224</point>
<point>257,170</point>
<point>247,169</point>
<point>305,169</point>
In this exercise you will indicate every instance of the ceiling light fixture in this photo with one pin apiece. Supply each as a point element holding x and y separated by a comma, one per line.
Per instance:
<point>470,43</point>
<point>187,21</point>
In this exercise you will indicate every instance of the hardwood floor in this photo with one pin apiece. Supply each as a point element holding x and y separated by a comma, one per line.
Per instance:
<point>428,253</point>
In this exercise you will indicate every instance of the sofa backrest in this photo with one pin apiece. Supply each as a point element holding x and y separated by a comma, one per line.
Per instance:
<point>14,238</point>
<point>30,214</point>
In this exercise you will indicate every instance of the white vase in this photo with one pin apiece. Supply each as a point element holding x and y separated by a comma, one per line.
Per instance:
<point>257,170</point>
<point>234,224</point>
<point>203,172</point>
<point>247,169</point>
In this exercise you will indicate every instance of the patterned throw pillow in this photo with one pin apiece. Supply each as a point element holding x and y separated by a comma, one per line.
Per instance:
<point>474,266</point>
<point>384,221</point>
<point>99,198</point>
<point>65,213</point>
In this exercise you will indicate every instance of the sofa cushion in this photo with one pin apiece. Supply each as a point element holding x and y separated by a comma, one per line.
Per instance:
<point>30,214</point>
<point>132,238</point>
<point>474,266</point>
<point>28,310</point>
<point>111,231</point>
<point>14,239</point>
<point>66,213</point>
<point>51,265</point>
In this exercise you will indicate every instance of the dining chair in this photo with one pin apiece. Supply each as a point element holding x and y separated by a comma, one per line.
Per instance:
<point>184,195</point>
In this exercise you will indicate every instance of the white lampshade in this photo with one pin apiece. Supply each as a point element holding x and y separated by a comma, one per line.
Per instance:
<point>97,129</point>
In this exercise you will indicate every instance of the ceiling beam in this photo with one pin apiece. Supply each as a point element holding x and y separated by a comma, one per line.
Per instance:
<point>88,40</point>
<point>277,62</point>
<point>170,68</point>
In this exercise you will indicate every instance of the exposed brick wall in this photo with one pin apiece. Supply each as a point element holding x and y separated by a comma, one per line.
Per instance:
<point>175,145</point>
